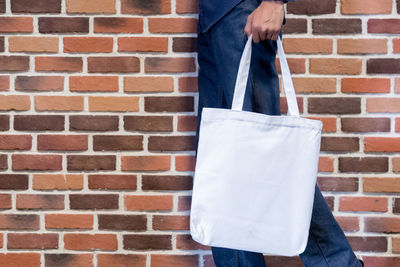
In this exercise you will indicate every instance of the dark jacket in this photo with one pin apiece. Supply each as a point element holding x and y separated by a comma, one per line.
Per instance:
<point>212,10</point>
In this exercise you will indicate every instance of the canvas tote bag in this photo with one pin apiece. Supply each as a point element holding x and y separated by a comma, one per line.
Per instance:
<point>255,174</point>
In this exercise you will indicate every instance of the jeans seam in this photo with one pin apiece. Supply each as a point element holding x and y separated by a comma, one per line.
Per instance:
<point>322,253</point>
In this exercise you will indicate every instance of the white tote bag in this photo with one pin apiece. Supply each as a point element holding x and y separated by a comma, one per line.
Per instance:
<point>255,174</point>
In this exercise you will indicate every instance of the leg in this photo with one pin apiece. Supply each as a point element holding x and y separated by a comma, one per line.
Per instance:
<point>327,245</point>
<point>219,52</point>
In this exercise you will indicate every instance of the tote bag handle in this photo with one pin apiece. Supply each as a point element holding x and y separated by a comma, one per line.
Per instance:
<point>243,73</point>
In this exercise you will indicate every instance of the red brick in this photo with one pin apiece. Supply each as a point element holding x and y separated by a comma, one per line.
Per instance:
<point>20,259</point>
<point>59,64</point>
<point>382,104</point>
<point>186,242</point>
<point>36,162</point>
<point>113,103</point>
<point>90,162</point>
<point>69,221</point>
<point>19,222</point>
<point>112,182</point>
<point>188,84</point>
<point>168,64</point>
<point>382,224</point>
<point>63,25</point>
<point>16,24</point>
<point>90,241</point>
<point>4,83</point>
<point>113,64</point>
<point>362,46</point>
<point>378,204</point>
<point>148,123</point>
<point>143,44</point>
<point>14,63</point>
<point>148,203</point>
<point>335,65</point>
<point>117,142</point>
<point>39,83</point>
<point>365,85</point>
<point>185,163</point>
<point>57,182</point>
<point>187,6</point>
<point>40,202</point>
<point>325,164</point>
<point>145,163</point>
<point>106,260</point>
<point>93,83</point>
<point>170,222</point>
<point>381,261</point>
<point>383,26</point>
<point>32,241</point>
<point>167,182</point>
<point>62,142</point>
<point>59,103</point>
<point>348,224</point>
<point>88,44</point>
<point>15,142</point>
<point>172,25</point>
<point>40,6</point>
<point>118,25</point>
<point>68,259</point>
<point>336,26</point>
<point>187,123</point>
<point>145,7</point>
<point>33,44</point>
<point>308,45</point>
<point>381,144</point>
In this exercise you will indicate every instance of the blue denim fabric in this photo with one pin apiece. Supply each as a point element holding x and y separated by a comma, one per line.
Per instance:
<point>219,52</point>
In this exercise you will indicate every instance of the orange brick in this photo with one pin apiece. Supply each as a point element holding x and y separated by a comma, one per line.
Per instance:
<point>14,102</point>
<point>308,45</point>
<point>296,65</point>
<point>148,84</point>
<point>145,163</point>
<point>383,104</point>
<point>314,85</point>
<point>91,6</point>
<point>381,144</point>
<point>397,85</point>
<point>397,127</point>
<point>145,8</point>
<point>114,103</point>
<point>185,163</point>
<point>187,6</point>
<point>381,185</point>
<point>57,181</point>
<point>335,66</point>
<point>172,25</point>
<point>348,223</point>
<point>12,259</point>
<point>325,164</point>
<point>379,204</point>
<point>90,241</point>
<point>93,83</point>
<point>396,45</point>
<point>328,123</point>
<point>69,221</point>
<point>396,244</point>
<point>174,260</point>
<point>16,24</point>
<point>59,103</point>
<point>362,46</point>
<point>33,44</point>
<point>4,83</point>
<point>143,44</point>
<point>118,25</point>
<point>396,164</point>
<point>365,85</point>
<point>366,7</point>
<point>88,44</point>
<point>149,203</point>
<point>59,64</point>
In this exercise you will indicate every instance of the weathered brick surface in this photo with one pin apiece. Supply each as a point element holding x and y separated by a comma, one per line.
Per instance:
<point>98,102</point>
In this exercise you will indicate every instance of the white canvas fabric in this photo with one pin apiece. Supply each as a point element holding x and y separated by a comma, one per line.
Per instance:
<point>255,174</point>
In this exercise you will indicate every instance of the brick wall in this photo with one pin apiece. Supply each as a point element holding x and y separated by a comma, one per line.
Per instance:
<point>98,104</point>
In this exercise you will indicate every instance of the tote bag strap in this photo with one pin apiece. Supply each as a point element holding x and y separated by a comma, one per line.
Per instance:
<point>243,73</point>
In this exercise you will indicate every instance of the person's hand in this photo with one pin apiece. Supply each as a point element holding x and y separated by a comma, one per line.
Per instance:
<point>266,21</point>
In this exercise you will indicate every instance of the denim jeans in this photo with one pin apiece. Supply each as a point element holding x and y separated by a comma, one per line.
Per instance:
<point>219,52</point>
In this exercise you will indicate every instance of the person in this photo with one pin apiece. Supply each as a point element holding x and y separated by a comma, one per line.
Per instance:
<point>223,28</point>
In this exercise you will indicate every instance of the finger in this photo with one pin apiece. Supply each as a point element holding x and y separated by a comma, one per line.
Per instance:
<point>256,34</point>
<point>247,28</point>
